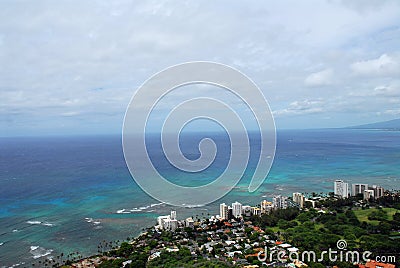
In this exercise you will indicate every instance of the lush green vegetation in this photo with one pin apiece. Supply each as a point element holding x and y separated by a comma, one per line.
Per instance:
<point>374,216</point>
<point>364,229</point>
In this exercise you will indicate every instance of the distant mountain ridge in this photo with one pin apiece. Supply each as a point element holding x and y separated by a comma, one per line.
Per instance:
<point>390,125</point>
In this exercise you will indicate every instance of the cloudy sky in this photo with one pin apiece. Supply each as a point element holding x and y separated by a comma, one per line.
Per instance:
<point>71,67</point>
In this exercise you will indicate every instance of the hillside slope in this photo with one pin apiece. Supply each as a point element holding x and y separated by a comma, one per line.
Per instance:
<point>391,124</point>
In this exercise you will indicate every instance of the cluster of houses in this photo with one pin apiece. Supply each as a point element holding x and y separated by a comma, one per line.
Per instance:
<point>233,239</point>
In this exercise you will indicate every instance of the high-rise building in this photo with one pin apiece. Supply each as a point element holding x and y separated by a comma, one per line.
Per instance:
<point>189,222</point>
<point>246,210</point>
<point>378,191</point>
<point>173,215</point>
<point>236,209</point>
<point>341,188</point>
<point>266,206</point>
<point>161,219</point>
<point>368,194</point>
<point>170,225</point>
<point>168,222</point>
<point>223,211</point>
<point>255,211</point>
<point>299,199</point>
<point>279,202</point>
<point>358,188</point>
<point>230,213</point>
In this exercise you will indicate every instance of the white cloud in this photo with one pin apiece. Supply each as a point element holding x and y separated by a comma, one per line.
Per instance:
<point>387,91</point>
<point>385,65</point>
<point>395,112</point>
<point>51,63</point>
<point>321,78</point>
<point>301,108</point>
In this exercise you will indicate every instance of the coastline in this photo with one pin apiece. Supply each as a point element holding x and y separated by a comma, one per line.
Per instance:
<point>143,238</point>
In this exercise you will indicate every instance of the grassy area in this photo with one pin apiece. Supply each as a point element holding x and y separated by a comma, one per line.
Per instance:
<point>274,229</point>
<point>362,214</point>
<point>390,212</point>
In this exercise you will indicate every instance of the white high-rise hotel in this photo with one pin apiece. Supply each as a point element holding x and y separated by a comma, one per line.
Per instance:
<point>358,188</point>
<point>236,209</point>
<point>280,202</point>
<point>299,199</point>
<point>168,222</point>
<point>223,211</point>
<point>341,188</point>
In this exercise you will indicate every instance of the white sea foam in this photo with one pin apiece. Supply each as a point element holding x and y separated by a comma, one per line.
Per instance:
<point>91,220</point>
<point>45,223</point>
<point>192,206</point>
<point>1,243</point>
<point>135,210</point>
<point>39,252</point>
<point>34,222</point>
<point>157,204</point>
<point>15,230</point>
<point>139,209</point>
<point>123,211</point>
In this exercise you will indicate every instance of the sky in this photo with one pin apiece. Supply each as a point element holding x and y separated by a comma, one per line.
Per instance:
<point>71,67</point>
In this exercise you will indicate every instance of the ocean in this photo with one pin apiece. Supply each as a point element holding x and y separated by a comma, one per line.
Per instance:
<point>68,194</point>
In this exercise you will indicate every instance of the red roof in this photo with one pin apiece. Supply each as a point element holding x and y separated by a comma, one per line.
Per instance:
<point>258,229</point>
<point>375,264</point>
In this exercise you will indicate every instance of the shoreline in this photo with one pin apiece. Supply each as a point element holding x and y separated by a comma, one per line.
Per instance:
<point>153,229</point>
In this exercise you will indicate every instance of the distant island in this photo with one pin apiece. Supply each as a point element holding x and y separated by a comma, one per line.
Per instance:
<point>387,125</point>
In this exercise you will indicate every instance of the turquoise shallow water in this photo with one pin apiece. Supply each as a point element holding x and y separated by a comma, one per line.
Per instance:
<point>68,194</point>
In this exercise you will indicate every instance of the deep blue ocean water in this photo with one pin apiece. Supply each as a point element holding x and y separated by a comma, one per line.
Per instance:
<point>66,194</point>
